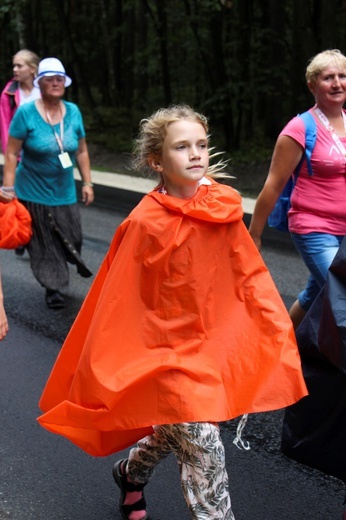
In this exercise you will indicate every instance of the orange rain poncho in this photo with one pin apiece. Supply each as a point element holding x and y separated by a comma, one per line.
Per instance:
<point>15,225</point>
<point>183,323</point>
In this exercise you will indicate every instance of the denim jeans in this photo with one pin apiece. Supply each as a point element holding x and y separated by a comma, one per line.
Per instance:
<point>318,251</point>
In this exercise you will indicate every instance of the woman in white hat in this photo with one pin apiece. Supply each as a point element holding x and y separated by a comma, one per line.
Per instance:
<point>49,134</point>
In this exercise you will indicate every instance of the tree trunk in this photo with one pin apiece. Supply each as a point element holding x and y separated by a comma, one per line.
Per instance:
<point>75,58</point>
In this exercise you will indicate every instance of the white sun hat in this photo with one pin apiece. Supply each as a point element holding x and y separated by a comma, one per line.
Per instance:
<point>51,67</point>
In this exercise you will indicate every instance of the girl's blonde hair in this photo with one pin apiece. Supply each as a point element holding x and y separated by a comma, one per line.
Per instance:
<point>29,57</point>
<point>323,60</point>
<point>152,133</point>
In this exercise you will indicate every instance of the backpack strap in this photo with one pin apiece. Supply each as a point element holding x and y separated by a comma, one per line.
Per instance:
<point>310,140</point>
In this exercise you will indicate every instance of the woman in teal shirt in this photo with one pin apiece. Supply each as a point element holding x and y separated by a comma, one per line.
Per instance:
<point>49,136</point>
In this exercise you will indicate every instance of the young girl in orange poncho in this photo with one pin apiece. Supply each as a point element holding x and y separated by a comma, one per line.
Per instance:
<point>182,328</point>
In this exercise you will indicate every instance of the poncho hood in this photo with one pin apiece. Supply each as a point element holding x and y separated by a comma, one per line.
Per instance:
<point>212,203</point>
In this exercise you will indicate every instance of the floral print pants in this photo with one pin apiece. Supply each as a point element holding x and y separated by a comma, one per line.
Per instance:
<point>201,458</point>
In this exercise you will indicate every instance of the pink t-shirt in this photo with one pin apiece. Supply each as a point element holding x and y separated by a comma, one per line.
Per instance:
<point>318,201</point>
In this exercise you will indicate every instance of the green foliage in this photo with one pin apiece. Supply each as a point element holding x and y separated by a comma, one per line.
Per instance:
<point>255,153</point>
<point>242,65</point>
<point>116,133</point>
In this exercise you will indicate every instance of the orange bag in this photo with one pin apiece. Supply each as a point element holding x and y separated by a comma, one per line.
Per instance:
<point>15,225</point>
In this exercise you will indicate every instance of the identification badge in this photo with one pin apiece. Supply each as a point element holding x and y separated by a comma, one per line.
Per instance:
<point>65,160</point>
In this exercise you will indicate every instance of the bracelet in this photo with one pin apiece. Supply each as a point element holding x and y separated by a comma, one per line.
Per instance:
<point>88,184</point>
<point>7,191</point>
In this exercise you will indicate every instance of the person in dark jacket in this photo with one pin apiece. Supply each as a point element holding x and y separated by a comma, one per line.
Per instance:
<point>314,429</point>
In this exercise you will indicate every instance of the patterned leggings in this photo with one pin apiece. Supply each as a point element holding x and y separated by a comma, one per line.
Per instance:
<point>201,458</point>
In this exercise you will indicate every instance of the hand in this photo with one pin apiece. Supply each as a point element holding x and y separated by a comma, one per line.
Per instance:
<point>3,323</point>
<point>87,195</point>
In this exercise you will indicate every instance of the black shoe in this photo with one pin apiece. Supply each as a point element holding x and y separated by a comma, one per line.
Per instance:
<point>19,251</point>
<point>54,299</point>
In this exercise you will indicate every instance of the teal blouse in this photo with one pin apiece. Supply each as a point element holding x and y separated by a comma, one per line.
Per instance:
<point>40,177</point>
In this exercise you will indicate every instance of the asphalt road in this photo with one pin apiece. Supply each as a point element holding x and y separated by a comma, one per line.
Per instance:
<point>44,477</point>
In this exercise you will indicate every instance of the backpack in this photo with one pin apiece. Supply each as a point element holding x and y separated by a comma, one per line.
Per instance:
<point>278,217</point>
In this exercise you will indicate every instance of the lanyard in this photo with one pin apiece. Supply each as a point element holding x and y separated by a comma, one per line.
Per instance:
<point>325,122</point>
<point>59,139</point>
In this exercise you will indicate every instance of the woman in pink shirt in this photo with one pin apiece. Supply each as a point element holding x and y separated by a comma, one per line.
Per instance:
<point>19,90</point>
<point>317,218</point>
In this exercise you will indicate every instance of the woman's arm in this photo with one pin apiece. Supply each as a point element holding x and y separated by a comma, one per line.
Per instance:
<point>286,156</point>
<point>14,147</point>
<point>3,317</point>
<point>83,163</point>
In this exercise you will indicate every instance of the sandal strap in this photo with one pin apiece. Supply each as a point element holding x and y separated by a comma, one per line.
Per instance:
<point>130,487</point>
<point>137,506</point>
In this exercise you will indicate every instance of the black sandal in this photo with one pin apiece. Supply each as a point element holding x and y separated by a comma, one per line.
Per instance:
<point>125,487</point>
<point>54,299</point>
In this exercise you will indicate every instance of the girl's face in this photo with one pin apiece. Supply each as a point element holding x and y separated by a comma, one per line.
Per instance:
<point>184,159</point>
<point>330,86</point>
<point>21,70</point>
